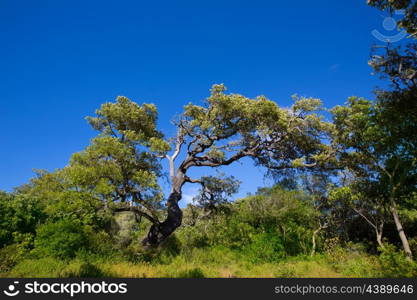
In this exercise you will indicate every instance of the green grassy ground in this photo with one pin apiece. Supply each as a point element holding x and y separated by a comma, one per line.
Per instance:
<point>207,263</point>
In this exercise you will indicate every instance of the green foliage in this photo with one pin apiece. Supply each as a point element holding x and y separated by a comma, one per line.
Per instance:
<point>352,260</point>
<point>231,126</point>
<point>216,191</point>
<point>6,213</point>
<point>265,247</point>
<point>61,239</point>
<point>192,237</point>
<point>277,207</point>
<point>53,267</point>
<point>219,230</point>
<point>18,215</point>
<point>413,245</point>
<point>396,111</point>
<point>395,263</point>
<point>383,163</point>
<point>231,233</point>
<point>60,223</point>
<point>119,166</point>
<point>208,262</point>
<point>107,163</point>
<point>59,199</point>
<point>9,256</point>
<point>273,224</point>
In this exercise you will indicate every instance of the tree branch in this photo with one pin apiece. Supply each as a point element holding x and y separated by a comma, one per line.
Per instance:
<point>171,159</point>
<point>137,198</point>
<point>137,211</point>
<point>366,219</point>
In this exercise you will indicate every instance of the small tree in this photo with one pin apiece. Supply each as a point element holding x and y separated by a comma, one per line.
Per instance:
<point>379,160</point>
<point>215,193</point>
<point>371,209</point>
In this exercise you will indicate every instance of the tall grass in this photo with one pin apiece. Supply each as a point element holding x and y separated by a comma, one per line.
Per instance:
<point>202,263</point>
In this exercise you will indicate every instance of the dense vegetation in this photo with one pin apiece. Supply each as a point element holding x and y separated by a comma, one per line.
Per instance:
<point>269,234</point>
<point>344,203</point>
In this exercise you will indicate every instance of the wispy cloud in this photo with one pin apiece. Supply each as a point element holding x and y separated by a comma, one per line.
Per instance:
<point>189,193</point>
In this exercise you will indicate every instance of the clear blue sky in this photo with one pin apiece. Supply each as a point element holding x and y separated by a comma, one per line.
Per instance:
<point>59,60</point>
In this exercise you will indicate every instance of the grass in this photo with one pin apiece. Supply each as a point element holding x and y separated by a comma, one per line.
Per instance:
<point>201,263</point>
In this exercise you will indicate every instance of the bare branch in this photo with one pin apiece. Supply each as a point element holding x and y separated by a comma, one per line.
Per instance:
<point>171,159</point>
<point>137,211</point>
<point>188,179</point>
<point>138,199</point>
<point>178,145</point>
<point>366,219</point>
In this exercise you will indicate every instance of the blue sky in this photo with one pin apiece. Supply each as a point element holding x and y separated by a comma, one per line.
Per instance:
<point>60,60</point>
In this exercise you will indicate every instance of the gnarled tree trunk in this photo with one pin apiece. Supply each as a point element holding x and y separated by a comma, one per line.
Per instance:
<point>160,232</point>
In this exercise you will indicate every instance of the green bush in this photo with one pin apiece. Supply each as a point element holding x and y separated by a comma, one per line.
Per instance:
<point>413,245</point>
<point>192,237</point>
<point>230,232</point>
<point>10,255</point>
<point>61,239</point>
<point>170,249</point>
<point>351,260</point>
<point>99,242</point>
<point>265,247</point>
<point>18,215</point>
<point>395,263</point>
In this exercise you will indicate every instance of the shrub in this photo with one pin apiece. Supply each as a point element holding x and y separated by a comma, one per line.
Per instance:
<point>395,263</point>
<point>413,245</point>
<point>230,232</point>
<point>10,255</point>
<point>18,215</point>
<point>170,249</point>
<point>265,247</point>
<point>61,239</point>
<point>99,242</point>
<point>192,237</point>
<point>351,260</point>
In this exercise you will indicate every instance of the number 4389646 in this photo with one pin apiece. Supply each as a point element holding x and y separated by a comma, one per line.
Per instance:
<point>390,289</point>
